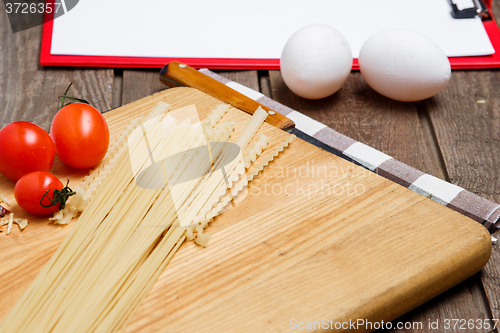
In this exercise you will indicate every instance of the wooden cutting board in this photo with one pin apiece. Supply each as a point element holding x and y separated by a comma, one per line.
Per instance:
<point>317,239</point>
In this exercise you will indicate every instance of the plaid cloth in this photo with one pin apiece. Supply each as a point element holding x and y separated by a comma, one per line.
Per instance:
<point>469,204</point>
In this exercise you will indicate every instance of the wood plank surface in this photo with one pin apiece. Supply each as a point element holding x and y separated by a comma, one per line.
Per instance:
<point>29,92</point>
<point>258,248</point>
<point>141,83</point>
<point>466,119</point>
<point>366,116</point>
<point>491,273</point>
<point>463,301</point>
<point>394,128</point>
<point>163,313</point>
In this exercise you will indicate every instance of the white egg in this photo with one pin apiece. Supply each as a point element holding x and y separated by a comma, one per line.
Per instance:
<point>316,61</point>
<point>404,65</point>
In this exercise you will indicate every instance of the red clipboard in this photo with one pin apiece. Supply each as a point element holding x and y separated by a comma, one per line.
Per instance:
<point>48,59</point>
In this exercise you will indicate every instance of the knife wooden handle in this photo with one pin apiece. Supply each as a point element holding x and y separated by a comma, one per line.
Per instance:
<point>175,72</point>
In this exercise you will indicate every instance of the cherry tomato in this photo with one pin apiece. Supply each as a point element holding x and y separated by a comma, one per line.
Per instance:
<point>31,188</point>
<point>24,148</point>
<point>80,134</point>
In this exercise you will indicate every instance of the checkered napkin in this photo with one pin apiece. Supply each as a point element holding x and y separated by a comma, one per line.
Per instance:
<point>482,210</point>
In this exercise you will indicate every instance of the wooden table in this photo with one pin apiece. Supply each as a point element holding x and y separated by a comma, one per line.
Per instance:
<point>454,135</point>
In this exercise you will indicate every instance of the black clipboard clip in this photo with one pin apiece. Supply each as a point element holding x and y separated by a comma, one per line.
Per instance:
<point>469,8</point>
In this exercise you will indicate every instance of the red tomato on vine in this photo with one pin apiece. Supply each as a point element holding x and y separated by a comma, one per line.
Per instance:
<point>41,193</point>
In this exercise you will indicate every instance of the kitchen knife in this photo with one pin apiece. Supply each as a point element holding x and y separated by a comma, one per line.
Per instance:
<point>470,204</point>
<point>176,74</point>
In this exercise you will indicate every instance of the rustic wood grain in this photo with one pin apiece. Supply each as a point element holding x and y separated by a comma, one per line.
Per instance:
<point>255,253</point>
<point>117,88</point>
<point>29,92</point>
<point>139,83</point>
<point>394,128</point>
<point>144,82</point>
<point>249,78</point>
<point>495,9</point>
<point>466,119</point>
<point>163,316</point>
<point>468,133</point>
<point>362,114</point>
<point>265,83</point>
<point>430,138</point>
<point>462,302</point>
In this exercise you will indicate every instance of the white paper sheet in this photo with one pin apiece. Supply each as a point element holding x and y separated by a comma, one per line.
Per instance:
<point>250,29</point>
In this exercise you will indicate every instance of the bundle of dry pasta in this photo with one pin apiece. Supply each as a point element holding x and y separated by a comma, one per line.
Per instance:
<point>163,183</point>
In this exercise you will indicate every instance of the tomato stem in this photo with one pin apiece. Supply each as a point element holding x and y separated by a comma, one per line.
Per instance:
<point>59,197</point>
<point>65,95</point>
